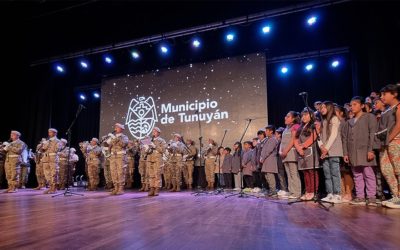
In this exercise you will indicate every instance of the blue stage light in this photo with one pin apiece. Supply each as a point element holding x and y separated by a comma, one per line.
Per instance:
<point>164,49</point>
<point>196,43</point>
<point>266,29</point>
<point>284,70</point>
<point>60,68</point>
<point>311,20</point>
<point>108,59</point>
<point>82,97</point>
<point>135,54</point>
<point>230,37</point>
<point>84,64</point>
<point>335,63</point>
<point>309,67</point>
<point>96,95</point>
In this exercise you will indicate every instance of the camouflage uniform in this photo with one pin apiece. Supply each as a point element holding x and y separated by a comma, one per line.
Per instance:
<point>166,169</point>
<point>106,165</point>
<point>50,162</point>
<point>210,156</point>
<point>25,167</point>
<point>144,175</point>
<point>176,162</point>
<point>2,171</point>
<point>39,167</point>
<point>63,167</point>
<point>118,162</point>
<point>13,164</point>
<point>73,159</point>
<point>188,166</point>
<point>131,152</point>
<point>93,159</point>
<point>154,163</point>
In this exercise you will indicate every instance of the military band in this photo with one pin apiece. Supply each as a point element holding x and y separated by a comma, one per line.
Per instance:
<point>160,164</point>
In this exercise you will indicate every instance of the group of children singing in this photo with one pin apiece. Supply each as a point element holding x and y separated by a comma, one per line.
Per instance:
<point>352,147</point>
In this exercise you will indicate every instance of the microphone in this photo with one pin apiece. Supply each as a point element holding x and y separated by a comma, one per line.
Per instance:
<point>248,119</point>
<point>81,106</point>
<point>303,93</point>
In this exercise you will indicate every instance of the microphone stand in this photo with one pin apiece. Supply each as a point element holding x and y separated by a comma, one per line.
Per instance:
<point>220,189</point>
<point>67,191</point>
<point>316,199</point>
<point>200,191</point>
<point>242,194</point>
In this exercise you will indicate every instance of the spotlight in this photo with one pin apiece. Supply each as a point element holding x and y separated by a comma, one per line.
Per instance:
<point>108,59</point>
<point>96,95</point>
<point>309,67</point>
<point>135,55</point>
<point>312,20</point>
<point>230,37</point>
<point>60,68</point>
<point>335,63</point>
<point>266,29</point>
<point>84,64</point>
<point>164,49</point>
<point>196,43</point>
<point>82,97</point>
<point>284,70</point>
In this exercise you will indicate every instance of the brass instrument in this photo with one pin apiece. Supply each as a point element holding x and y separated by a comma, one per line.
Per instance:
<point>83,147</point>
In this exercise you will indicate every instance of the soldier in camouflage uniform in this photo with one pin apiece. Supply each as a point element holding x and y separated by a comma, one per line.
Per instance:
<point>144,177</point>
<point>188,166</point>
<point>39,166</point>
<point>210,154</point>
<point>93,159</point>
<point>27,156</point>
<point>166,169</point>
<point>63,164</point>
<point>176,149</point>
<point>131,153</point>
<point>2,162</point>
<point>73,159</point>
<point>154,162</point>
<point>118,160</point>
<point>106,164</point>
<point>50,150</point>
<point>13,161</point>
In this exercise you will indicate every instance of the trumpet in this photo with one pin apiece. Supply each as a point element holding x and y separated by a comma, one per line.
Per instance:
<point>4,145</point>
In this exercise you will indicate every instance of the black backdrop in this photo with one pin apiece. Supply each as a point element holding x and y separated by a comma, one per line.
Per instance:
<point>35,98</point>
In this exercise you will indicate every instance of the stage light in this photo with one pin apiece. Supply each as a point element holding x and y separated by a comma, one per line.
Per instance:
<point>96,95</point>
<point>84,64</point>
<point>82,97</point>
<point>108,59</point>
<point>230,37</point>
<point>266,29</point>
<point>311,20</point>
<point>284,70</point>
<point>60,68</point>
<point>164,49</point>
<point>309,67</point>
<point>335,63</point>
<point>135,54</point>
<point>196,43</point>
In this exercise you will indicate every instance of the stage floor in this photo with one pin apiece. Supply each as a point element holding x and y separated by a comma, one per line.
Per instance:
<point>31,220</point>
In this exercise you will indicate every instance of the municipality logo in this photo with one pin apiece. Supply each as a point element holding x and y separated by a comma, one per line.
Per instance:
<point>141,117</point>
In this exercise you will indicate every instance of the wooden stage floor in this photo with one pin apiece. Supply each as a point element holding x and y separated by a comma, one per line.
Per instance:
<point>31,220</point>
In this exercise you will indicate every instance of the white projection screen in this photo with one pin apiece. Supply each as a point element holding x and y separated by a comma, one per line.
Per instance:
<point>222,94</point>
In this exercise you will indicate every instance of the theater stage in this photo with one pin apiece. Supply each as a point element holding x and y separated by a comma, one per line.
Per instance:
<point>31,220</point>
